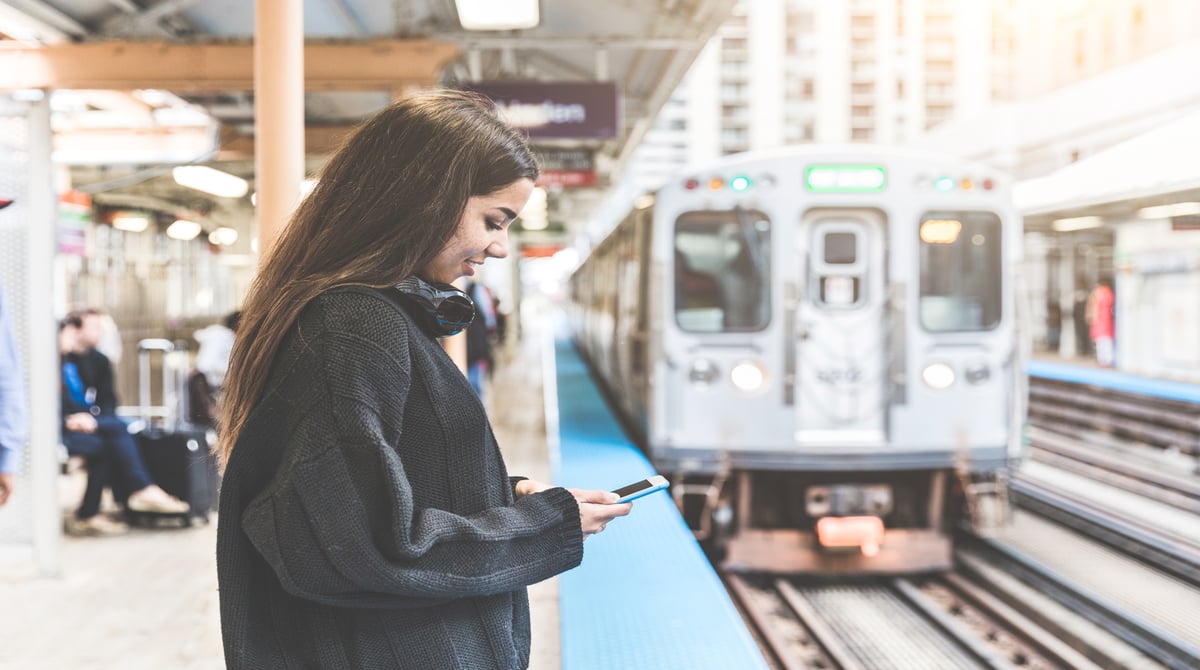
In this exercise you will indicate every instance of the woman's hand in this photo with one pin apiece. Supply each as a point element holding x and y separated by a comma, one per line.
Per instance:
<point>529,487</point>
<point>81,422</point>
<point>596,508</point>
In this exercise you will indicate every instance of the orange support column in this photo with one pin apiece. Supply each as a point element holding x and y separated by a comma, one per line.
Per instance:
<point>278,114</point>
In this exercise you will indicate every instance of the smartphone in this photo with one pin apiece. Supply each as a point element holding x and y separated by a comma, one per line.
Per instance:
<point>638,489</point>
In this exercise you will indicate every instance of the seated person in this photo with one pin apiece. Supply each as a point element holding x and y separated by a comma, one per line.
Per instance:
<point>91,429</point>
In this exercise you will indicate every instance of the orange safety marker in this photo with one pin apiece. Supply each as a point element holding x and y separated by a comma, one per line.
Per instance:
<point>864,532</point>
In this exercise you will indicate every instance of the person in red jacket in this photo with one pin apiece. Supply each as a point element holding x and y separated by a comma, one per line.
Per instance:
<point>1100,315</point>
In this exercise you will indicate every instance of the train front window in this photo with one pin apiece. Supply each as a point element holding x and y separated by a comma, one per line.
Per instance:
<point>722,271</point>
<point>961,267</point>
<point>841,248</point>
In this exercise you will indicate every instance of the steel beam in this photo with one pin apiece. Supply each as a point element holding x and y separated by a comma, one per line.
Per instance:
<point>318,141</point>
<point>388,65</point>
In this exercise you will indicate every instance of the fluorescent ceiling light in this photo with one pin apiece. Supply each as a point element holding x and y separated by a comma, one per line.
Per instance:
<point>183,229</point>
<point>534,216</point>
<point>133,222</point>
<point>1167,211</point>
<point>24,28</point>
<point>1077,223</point>
<point>498,14</point>
<point>223,236</point>
<point>204,178</point>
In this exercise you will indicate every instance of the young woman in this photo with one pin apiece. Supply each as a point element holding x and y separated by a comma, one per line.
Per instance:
<point>367,519</point>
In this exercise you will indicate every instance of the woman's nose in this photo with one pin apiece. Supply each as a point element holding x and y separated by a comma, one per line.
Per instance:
<point>499,247</point>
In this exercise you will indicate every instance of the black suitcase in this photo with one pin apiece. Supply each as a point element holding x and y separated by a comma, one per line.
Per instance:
<point>177,453</point>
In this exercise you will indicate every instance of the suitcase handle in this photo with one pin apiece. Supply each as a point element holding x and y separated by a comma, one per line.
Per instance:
<point>170,412</point>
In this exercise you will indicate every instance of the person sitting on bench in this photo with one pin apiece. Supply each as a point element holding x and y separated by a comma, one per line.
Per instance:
<point>92,429</point>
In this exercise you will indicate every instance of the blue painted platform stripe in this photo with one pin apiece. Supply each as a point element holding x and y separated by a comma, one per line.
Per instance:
<point>645,597</point>
<point>1117,381</point>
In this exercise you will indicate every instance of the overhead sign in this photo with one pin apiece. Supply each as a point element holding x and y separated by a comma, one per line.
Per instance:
<point>540,250</point>
<point>74,219</point>
<point>1186,222</point>
<point>566,167</point>
<point>556,110</point>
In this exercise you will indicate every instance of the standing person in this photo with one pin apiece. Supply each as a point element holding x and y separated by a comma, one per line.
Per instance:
<point>14,419</point>
<point>1100,315</point>
<point>208,376</point>
<point>92,429</point>
<point>479,336</point>
<point>367,518</point>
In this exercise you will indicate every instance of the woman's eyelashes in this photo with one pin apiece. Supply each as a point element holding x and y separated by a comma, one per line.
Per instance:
<point>493,224</point>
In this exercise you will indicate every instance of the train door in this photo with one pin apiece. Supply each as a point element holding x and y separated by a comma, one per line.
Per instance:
<point>840,335</point>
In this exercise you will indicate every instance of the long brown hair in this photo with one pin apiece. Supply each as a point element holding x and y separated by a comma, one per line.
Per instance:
<point>384,206</point>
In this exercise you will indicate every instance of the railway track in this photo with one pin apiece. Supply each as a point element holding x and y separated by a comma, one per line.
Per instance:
<point>1100,459</point>
<point>1082,582</point>
<point>930,622</point>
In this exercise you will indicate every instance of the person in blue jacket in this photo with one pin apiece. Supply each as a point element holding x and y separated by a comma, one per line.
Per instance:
<point>92,429</point>
<point>14,412</point>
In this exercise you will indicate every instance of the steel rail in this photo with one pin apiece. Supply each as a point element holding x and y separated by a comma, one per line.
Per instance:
<point>1183,489</point>
<point>768,629</point>
<point>1170,554</point>
<point>1042,641</point>
<point>1163,646</point>
<point>951,626</point>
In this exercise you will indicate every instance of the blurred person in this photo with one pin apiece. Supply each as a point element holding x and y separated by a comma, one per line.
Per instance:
<point>208,376</point>
<point>1100,304</point>
<point>480,333</point>
<point>367,518</point>
<point>91,429</point>
<point>14,417</point>
<point>1081,318</point>
<point>110,343</point>
<point>1053,325</point>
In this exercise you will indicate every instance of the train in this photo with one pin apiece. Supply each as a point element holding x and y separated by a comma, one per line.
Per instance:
<point>821,348</point>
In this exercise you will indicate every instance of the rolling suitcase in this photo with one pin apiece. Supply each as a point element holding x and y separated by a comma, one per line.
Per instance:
<point>176,452</point>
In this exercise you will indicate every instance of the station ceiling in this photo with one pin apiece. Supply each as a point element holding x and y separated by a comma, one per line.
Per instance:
<point>194,58</point>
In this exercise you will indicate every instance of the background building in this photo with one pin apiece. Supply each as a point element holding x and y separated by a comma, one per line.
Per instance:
<point>782,72</point>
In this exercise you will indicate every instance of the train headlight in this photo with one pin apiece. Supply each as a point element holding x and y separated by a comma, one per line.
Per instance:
<point>703,372</point>
<point>938,375</point>
<point>748,376</point>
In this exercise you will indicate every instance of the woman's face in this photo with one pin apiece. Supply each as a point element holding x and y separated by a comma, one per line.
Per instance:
<point>482,233</point>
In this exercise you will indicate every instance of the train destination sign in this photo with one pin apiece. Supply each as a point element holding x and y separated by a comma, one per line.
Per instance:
<point>845,178</point>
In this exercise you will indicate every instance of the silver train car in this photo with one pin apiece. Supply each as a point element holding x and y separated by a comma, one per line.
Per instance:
<point>819,347</point>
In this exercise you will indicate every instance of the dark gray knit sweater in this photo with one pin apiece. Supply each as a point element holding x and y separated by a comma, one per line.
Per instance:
<point>367,520</point>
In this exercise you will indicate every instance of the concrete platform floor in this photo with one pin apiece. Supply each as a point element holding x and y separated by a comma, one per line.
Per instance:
<point>148,600</point>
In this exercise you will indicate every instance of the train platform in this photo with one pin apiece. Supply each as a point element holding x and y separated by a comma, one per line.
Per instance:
<point>645,595</point>
<point>1086,372</point>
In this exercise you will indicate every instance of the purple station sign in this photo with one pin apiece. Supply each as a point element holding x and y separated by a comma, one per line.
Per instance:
<point>556,110</point>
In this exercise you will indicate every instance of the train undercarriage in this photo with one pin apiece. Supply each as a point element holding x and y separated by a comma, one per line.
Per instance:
<point>837,522</point>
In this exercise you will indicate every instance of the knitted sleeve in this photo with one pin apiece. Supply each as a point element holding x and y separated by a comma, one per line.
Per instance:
<point>340,526</point>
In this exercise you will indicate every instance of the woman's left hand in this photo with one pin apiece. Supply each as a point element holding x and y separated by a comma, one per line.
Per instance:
<point>528,487</point>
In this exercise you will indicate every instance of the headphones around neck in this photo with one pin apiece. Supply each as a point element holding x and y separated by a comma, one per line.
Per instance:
<point>441,309</point>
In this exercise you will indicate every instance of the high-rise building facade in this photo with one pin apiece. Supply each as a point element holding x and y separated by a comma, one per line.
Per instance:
<point>785,72</point>
<point>1041,46</point>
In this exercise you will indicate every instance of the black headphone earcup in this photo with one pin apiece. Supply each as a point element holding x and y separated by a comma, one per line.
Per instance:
<point>440,309</point>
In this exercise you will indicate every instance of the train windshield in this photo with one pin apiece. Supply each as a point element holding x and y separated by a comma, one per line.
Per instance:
<point>960,271</point>
<point>721,270</point>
